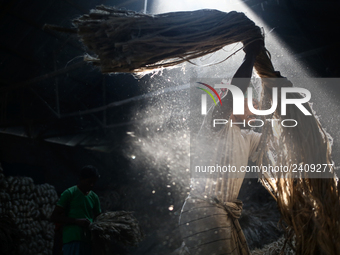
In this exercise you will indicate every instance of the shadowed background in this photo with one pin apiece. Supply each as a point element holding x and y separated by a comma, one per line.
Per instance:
<point>58,113</point>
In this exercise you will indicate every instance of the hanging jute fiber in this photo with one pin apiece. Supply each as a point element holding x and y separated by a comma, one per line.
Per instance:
<point>126,41</point>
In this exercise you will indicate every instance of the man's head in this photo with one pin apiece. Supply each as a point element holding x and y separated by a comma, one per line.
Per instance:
<point>88,177</point>
<point>248,115</point>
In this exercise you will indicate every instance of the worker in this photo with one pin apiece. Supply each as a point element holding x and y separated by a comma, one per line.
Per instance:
<point>77,207</point>
<point>209,218</point>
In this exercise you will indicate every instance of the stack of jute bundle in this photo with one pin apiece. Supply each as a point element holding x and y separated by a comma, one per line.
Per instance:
<point>28,207</point>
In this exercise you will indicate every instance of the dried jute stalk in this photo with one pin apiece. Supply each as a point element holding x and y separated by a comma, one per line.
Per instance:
<point>120,226</point>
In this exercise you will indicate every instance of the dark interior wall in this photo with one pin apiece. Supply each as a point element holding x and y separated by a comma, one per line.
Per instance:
<point>309,28</point>
<point>58,164</point>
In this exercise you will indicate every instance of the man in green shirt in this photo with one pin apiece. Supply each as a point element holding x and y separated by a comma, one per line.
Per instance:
<point>77,207</point>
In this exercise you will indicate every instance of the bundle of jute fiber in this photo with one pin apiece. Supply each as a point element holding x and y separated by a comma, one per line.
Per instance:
<point>125,41</point>
<point>308,201</point>
<point>120,226</point>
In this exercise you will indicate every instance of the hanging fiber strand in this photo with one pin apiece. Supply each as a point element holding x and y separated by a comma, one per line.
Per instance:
<point>131,42</point>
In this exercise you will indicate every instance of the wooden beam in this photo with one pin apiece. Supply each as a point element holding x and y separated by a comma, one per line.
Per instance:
<point>21,55</point>
<point>43,77</point>
<point>76,6</point>
<point>126,101</point>
<point>68,39</point>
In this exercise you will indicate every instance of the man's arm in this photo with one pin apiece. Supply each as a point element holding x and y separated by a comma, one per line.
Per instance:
<point>97,209</point>
<point>59,216</point>
<point>240,79</point>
